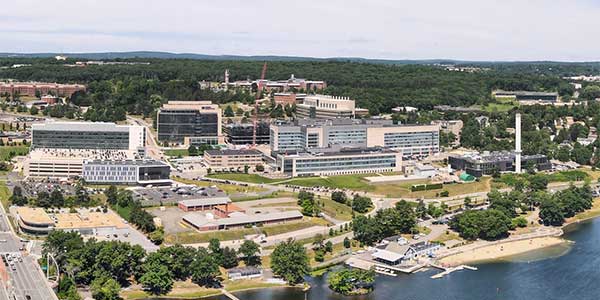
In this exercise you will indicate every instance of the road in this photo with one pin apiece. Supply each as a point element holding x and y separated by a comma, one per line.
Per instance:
<point>152,148</point>
<point>27,279</point>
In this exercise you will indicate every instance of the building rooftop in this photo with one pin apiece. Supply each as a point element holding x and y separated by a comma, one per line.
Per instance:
<point>495,156</point>
<point>387,255</point>
<point>81,126</point>
<point>337,150</point>
<point>233,152</point>
<point>205,201</point>
<point>88,220</point>
<point>129,162</point>
<point>200,220</point>
<point>34,215</point>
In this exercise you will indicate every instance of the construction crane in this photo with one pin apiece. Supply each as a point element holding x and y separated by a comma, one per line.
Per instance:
<point>258,90</point>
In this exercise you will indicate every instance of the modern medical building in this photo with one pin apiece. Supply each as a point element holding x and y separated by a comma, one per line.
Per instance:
<point>488,163</point>
<point>242,133</point>
<point>411,140</point>
<point>339,161</point>
<point>143,172</point>
<point>87,135</point>
<point>190,122</point>
<point>325,107</point>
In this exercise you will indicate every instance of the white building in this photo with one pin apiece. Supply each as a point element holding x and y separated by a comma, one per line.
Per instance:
<point>325,107</point>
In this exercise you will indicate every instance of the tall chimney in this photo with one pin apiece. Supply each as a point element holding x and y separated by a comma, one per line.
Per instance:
<point>518,143</point>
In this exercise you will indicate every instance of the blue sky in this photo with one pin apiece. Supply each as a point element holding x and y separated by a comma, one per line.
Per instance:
<point>459,29</point>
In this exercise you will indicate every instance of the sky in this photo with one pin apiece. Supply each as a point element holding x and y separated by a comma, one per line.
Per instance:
<point>560,30</point>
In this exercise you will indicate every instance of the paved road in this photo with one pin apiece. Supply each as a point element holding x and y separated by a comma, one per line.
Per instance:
<point>27,279</point>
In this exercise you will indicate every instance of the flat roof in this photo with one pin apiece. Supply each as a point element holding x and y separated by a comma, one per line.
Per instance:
<point>233,152</point>
<point>88,220</point>
<point>206,201</point>
<point>387,255</point>
<point>82,126</point>
<point>34,215</point>
<point>200,220</point>
<point>136,162</point>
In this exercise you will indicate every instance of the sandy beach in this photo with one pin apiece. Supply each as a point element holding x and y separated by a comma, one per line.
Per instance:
<point>497,251</point>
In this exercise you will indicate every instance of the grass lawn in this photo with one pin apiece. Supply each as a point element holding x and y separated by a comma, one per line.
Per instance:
<point>227,188</point>
<point>124,212</point>
<point>275,194</point>
<point>176,152</point>
<point>8,152</point>
<point>336,210</point>
<point>183,290</point>
<point>4,195</point>
<point>243,177</point>
<point>193,237</point>
<point>248,284</point>
<point>447,236</point>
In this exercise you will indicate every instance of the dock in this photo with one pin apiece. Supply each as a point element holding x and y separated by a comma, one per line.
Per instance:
<point>229,295</point>
<point>449,270</point>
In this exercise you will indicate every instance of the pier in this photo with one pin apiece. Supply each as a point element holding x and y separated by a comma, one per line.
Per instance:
<point>448,270</point>
<point>229,295</point>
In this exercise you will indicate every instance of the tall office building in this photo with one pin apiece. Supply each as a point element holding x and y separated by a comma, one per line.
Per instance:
<point>411,140</point>
<point>190,122</point>
<point>241,133</point>
<point>87,135</point>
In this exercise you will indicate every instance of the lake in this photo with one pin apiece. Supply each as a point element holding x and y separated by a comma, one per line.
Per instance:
<point>560,272</point>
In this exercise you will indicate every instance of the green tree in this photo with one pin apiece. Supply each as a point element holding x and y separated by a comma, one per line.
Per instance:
<point>17,197</point>
<point>361,204</point>
<point>551,213</point>
<point>249,251</point>
<point>290,261</point>
<point>111,194</point>
<point>229,112</point>
<point>347,243</point>
<point>56,198</point>
<point>105,288</point>
<point>339,196</point>
<point>157,278</point>
<point>351,281</point>
<point>204,268</point>
<point>229,258</point>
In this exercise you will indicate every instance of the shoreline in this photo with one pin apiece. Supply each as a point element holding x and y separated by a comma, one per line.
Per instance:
<point>499,250</point>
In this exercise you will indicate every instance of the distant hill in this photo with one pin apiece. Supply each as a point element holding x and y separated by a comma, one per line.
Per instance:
<point>169,55</point>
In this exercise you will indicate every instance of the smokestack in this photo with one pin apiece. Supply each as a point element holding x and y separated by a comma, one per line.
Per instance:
<point>518,143</point>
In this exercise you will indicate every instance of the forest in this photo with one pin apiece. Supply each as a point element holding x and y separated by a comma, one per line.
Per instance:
<point>139,89</point>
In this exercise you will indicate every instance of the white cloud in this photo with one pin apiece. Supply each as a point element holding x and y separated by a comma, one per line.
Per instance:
<point>459,29</point>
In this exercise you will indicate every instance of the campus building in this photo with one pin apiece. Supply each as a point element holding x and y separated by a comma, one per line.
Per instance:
<point>290,99</point>
<point>225,159</point>
<point>450,126</point>
<point>41,88</point>
<point>292,84</point>
<point>339,161</point>
<point>242,133</point>
<point>37,221</point>
<point>141,172</point>
<point>190,122</point>
<point>236,220</point>
<point>488,163</point>
<point>325,107</point>
<point>527,96</point>
<point>87,135</point>
<point>411,140</point>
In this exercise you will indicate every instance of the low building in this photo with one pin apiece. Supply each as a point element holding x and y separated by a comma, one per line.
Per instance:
<point>225,159</point>
<point>208,222</point>
<point>247,272</point>
<point>203,203</point>
<point>37,221</point>
<point>490,162</point>
<point>32,88</point>
<point>34,220</point>
<point>290,99</point>
<point>325,107</point>
<point>450,126</point>
<point>129,172</point>
<point>425,171</point>
<point>340,161</point>
<point>527,96</point>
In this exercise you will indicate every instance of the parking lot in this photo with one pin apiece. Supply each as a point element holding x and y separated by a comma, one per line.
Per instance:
<point>32,187</point>
<point>164,196</point>
<point>170,218</point>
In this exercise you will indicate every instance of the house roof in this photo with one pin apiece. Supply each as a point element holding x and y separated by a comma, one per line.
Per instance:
<point>388,255</point>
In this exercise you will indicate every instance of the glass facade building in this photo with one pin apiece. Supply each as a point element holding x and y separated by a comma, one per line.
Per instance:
<point>413,143</point>
<point>86,135</point>
<point>174,125</point>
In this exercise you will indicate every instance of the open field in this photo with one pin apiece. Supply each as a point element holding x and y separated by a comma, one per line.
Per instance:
<point>176,152</point>
<point>4,195</point>
<point>227,188</point>
<point>193,237</point>
<point>356,182</point>
<point>185,289</point>
<point>336,210</point>
<point>243,177</point>
<point>8,152</point>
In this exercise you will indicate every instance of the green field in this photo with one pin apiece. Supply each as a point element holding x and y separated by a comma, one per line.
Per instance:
<point>227,188</point>
<point>4,195</point>
<point>176,152</point>
<point>8,152</point>
<point>243,177</point>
